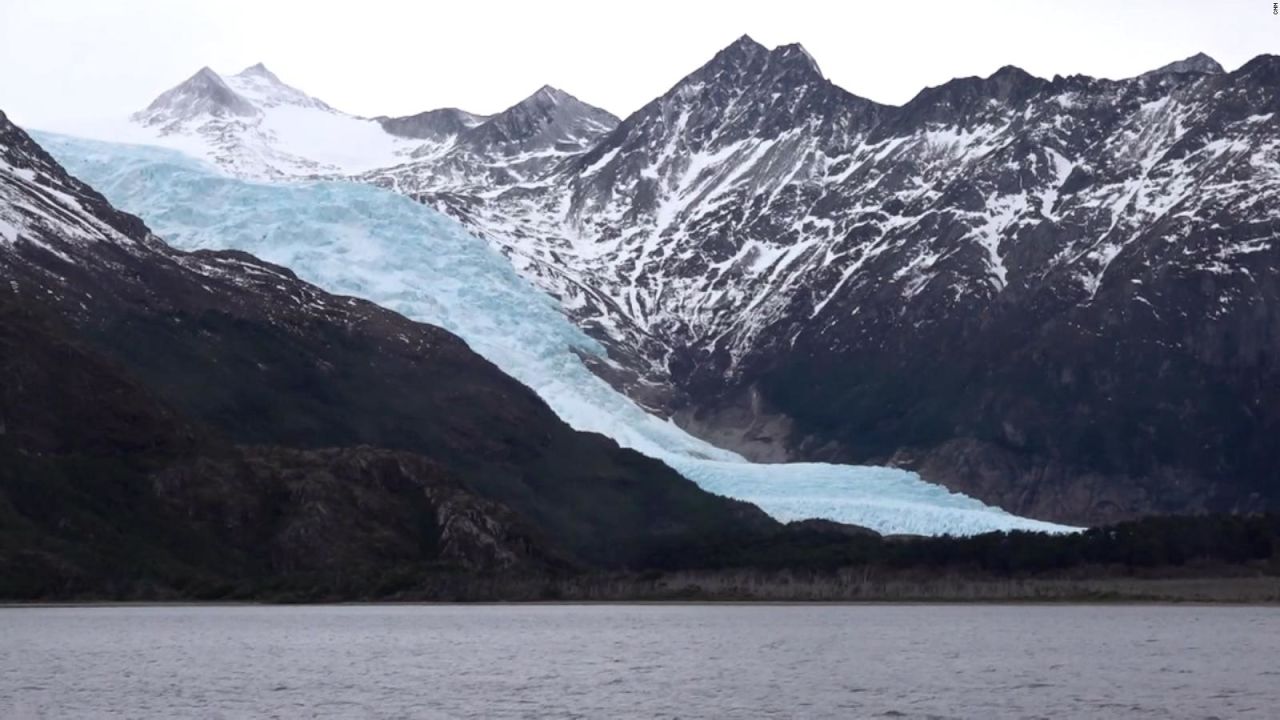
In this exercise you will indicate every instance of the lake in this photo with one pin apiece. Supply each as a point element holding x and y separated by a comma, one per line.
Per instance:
<point>640,661</point>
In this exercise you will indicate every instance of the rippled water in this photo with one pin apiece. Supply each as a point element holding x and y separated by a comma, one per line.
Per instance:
<point>615,661</point>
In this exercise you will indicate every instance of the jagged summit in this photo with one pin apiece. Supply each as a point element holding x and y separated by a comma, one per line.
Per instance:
<point>743,66</point>
<point>756,237</point>
<point>796,53</point>
<point>1198,63</point>
<point>745,42</point>
<point>963,101</point>
<point>755,231</point>
<point>749,57</point>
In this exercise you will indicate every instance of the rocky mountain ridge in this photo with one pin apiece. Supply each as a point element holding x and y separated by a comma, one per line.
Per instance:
<point>1055,294</point>
<point>800,273</point>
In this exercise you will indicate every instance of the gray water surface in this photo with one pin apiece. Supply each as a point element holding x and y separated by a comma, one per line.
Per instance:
<point>620,661</point>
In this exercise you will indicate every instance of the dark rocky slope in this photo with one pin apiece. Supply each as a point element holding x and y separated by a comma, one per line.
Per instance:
<point>105,490</point>
<point>137,374</point>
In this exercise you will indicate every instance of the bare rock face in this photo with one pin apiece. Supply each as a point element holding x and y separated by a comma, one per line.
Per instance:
<point>353,510</point>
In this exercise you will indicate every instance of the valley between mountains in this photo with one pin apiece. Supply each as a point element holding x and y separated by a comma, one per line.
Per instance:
<point>1011,303</point>
<point>1056,295</point>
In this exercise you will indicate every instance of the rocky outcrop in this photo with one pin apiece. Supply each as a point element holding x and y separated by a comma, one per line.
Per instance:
<point>351,510</point>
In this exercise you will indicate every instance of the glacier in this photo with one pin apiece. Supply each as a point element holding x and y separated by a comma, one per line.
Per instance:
<point>359,240</point>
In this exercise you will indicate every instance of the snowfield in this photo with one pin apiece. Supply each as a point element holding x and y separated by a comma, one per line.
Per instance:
<point>258,128</point>
<point>360,240</point>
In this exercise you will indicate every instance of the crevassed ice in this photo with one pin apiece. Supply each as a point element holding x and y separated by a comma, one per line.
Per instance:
<point>359,240</point>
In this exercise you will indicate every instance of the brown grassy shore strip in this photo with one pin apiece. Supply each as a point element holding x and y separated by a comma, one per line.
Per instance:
<point>851,586</point>
<point>749,587</point>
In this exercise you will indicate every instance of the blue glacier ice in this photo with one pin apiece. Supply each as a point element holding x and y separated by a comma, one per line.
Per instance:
<point>359,240</point>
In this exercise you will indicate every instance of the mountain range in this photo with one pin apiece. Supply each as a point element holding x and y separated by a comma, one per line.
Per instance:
<point>1056,295</point>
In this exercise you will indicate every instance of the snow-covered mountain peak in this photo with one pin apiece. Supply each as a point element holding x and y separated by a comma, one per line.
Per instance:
<point>203,94</point>
<point>258,69</point>
<point>252,124</point>
<point>756,230</point>
<point>265,90</point>
<point>549,118</point>
<point>747,62</point>
<point>470,153</point>
<point>204,76</point>
<point>545,98</point>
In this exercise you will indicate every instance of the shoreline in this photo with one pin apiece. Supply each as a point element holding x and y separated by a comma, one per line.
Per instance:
<point>730,589</point>
<point>639,603</point>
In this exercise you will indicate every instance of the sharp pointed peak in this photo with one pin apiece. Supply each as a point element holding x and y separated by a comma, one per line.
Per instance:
<point>206,73</point>
<point>549,96</point>
<point>544,97</point>
<point>743,46</point>
<point>551,92</point>
<point>204,92</point>
<point>745,52</point>
<point>205,80</point>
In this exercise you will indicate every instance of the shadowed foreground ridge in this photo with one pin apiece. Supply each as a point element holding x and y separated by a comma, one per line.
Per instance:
<point>164,417</point>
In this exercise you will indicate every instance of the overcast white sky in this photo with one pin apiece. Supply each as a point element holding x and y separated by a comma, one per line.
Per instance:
<point>62,59</point>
